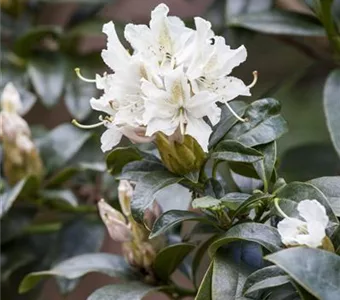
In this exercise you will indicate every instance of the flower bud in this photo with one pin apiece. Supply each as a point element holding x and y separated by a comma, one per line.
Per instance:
<point>180,158</point>
<point>10,99</point>
<point>115,222</point>
<point>21,157</point>
<point>125,192</point>
<point>152,214</point>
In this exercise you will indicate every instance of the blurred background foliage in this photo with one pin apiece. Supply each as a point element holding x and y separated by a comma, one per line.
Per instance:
<point>42,41</point>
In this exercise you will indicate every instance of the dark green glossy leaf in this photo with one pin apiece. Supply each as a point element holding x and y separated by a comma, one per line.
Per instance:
<point>77,98</point>
<point>265,278</point>
<point>323,277</point>
<point>78,266</point>
<point>228,278</point>
<point>264,235</point>
<point>234,200</point>
<point>135,170</point>
<point>130,291</point>
<point>205,289</point>
<point>265,167</point>
<point>48,75</point>
<point>172,217</point>
<point>279,22</point>
<point>250,203</point>
<point>61,144</point>
<point>200,251</point>
<point>227,121</point>
<point>263,124</point>
<point>214,188</point>
<point>230,150</point>
<point>168,259</point>
<point>62,176</point>
<point>299,191</point>
<point>332,107</point>
<point>330,186</point>
<point>120,156</point>
<point>146,189</point>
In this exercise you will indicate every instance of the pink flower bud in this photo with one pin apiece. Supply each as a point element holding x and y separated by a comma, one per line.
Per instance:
<point>115,222</point>
<point>125,192</point>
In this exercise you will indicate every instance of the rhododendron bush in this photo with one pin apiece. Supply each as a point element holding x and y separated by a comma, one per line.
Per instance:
<point>203,208</point>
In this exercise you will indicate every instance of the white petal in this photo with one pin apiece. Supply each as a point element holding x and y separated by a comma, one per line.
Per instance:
<point>110,138</point>
<point>289,230</point>
<point>198,104</point>
<point>115,56</point>
<point>232,87</point>
<point>102,104</point>
<point>234,59</point>
<point>167,126</point>
<point>316,233</point>
<point>312,211</point>
<point>136,135</point>
<point>199,130</point>
<point>139,36</point>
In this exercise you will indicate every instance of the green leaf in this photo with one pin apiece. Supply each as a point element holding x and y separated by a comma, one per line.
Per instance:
<point>265,278</point>
<point>130,291</point>
<point>250,203</point>
<point>228,278</point>
<point>330,187</point>
<point>198,255</point>
<point>227,121</point>
<point>299,191</point>
<point>230,150</point>
<point>168,259</point>
<point>47,75</point>
<point>75,267</point>
<point>205,289</point>
<point>322,278</point>
<point>77,98</point>
<point>234,200</point>
<point>173,217</point>
<point>265,167</point>
<point>264,124</point>
<point>332,107</point>
<point>25,44</point>
<point>262,234</point>
<point>61,144</point>
<point>206,202</point>
<point>120,156</point>
<point>146,189</point>
<point>135,170</point>
<point>279,22</point>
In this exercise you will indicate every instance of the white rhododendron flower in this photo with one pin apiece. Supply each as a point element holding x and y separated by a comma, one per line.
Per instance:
<point>310,231</point>
<point>169,83</point>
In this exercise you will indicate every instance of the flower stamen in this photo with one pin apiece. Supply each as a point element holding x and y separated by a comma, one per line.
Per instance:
<point>234,113</point>
<point>255,75</point>
<point>77,70</point>
<point>278,208</point>
<point>76,123</point>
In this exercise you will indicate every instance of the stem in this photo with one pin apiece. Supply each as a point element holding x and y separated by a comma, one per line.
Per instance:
<point>325,16</point>
<point>43,228</point>
<point>276,203</point>
<point>177,292</point>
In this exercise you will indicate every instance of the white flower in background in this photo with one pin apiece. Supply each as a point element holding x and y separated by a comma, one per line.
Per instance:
<point>175,107</point>
<point>310,231</point>
<point>169,83</point>
<point>10,99</point>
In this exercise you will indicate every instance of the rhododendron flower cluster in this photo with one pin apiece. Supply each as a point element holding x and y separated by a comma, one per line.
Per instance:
<point>171,82</point>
